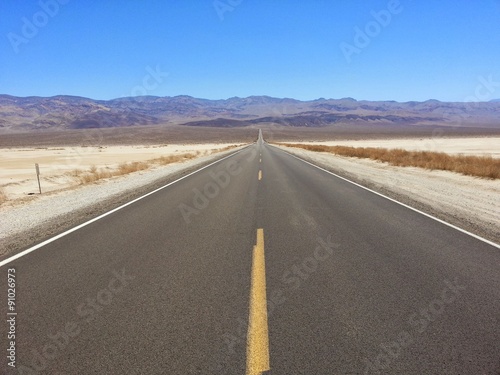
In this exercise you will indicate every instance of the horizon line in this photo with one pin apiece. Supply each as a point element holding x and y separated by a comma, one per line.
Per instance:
<point>247,97</point>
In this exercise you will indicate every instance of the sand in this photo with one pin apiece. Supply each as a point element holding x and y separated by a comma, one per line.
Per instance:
<point>56,164</point>
<point>485,146</point>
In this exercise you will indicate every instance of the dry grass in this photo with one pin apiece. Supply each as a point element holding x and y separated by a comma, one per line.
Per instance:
<point>477,166</point>
<point>3,196</point>
<point>75,173</point>
<point>164,160</point>
<point>227,148</point>
<point>94,174</point>
<point>126,168</point>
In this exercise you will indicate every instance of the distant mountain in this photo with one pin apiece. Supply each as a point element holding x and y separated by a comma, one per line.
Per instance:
<point>72,112</point>
<point>495,101</point>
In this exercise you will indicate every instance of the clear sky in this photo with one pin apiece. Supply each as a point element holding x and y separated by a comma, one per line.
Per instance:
<point>304,49</point>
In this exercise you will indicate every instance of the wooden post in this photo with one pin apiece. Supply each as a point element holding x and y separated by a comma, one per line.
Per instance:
<point>38,177</point>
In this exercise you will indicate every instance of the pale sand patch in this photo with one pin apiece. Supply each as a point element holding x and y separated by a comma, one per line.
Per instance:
<point>485,146</point>
<point>17,165</point>
<point>469,202</point>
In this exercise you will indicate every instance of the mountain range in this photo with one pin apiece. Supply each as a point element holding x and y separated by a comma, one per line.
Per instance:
<point>72,112</point>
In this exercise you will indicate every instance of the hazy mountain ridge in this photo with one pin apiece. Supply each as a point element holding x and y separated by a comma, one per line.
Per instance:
<point>72,112</point>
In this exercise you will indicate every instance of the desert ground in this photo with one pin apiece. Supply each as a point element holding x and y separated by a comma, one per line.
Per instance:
<point>479,146</point>
<point>132,135</point>
<point>175,134</point>
<point>60,167</point>
<point>345,132</point>
<point>64,155</point>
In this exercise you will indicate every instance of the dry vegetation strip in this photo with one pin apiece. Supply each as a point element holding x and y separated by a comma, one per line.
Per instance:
<point>3,197</point>
<point>94,174</point>
<point>477,166</point>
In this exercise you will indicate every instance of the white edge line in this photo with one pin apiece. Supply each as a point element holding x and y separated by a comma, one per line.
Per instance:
<point>52,239</point>
<point>396,201</point>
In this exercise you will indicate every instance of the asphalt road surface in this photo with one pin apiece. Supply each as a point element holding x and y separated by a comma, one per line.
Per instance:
<point>259,263</point>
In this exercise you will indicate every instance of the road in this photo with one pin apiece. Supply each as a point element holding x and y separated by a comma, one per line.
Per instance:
<point>334,278</point>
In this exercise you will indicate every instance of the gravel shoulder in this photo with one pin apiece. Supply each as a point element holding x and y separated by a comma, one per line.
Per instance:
<point>470,203</point>
<point>31,222</point>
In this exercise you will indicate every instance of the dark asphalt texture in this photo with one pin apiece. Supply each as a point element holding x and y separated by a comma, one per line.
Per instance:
<point>356,284</point>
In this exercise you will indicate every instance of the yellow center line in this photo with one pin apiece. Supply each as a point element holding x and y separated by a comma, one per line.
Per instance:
<point>260,160</point>
<point>258,336</point>
<point>260,175</point>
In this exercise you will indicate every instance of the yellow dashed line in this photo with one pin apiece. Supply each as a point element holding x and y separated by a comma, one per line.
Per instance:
<point>258,335</point>
<point>260,175</point>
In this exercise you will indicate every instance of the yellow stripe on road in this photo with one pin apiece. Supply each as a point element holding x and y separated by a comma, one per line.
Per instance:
<point>260,175</point>
<point>258,336</point>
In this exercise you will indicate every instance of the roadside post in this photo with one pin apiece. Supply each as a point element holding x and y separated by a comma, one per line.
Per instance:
<point>38,177</point>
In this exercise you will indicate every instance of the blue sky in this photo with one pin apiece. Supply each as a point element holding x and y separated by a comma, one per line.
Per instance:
<point>416,50</point>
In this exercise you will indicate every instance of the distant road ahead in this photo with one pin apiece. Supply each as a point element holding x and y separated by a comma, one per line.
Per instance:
<point>334,278</point>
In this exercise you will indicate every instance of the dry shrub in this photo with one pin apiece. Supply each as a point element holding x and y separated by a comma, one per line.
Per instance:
<point>92,175</point>
<point>3,196</point>
<point>190,155</point>
<point>88,178</point>
<point>477,166</point>
<point>75,173</point>
<point>227,148</point>
<point>164,160</point>
<point>126,168</point>
<point>104,174</point>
